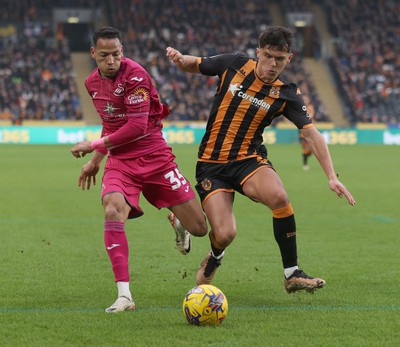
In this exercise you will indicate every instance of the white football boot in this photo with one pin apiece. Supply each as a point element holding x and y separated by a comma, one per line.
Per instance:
<point>182,236</point>
<point>122,304</point>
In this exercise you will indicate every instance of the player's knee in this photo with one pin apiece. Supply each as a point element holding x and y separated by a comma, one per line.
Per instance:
<point>280,200</point>
<point>202,227</point>
<point>199,227</point>
<point>112,212</point>
<point>115,209</point>
<point>223,237</point>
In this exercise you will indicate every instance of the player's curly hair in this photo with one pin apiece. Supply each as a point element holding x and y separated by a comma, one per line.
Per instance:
<point>276,36</point>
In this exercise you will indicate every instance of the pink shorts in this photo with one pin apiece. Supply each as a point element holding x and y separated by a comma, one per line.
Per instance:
<point>156,175</point>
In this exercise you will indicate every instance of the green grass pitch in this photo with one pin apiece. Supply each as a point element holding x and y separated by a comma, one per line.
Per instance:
<point>56,280</point>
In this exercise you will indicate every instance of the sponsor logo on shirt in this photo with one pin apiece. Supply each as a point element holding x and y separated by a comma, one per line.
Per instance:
<point>259,103</point>
<point>138,96</point>
<point>110,108</point>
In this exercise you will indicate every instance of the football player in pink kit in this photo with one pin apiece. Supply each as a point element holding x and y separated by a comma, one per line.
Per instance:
<point>139,159</point>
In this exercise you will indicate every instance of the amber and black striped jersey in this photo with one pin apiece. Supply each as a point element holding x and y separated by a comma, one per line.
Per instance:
<point>243,106</point>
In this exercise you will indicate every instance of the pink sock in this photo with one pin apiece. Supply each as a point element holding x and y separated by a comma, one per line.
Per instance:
<point>117,249</point>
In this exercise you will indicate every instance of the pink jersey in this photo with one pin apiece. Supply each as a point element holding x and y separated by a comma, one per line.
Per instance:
<point>128,95</point>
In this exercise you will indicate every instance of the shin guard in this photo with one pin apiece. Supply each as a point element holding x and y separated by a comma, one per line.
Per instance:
<point>117,248</point>
<point>285,235</point>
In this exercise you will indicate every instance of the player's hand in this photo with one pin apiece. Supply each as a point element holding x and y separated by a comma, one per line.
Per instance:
<point>175,56</point>
<point>81,149</point>
<point>88,175</point>
<point>336,186</point>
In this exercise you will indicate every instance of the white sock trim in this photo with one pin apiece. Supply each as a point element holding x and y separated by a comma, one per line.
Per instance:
<point>289,271</point>
<point>220,256</point>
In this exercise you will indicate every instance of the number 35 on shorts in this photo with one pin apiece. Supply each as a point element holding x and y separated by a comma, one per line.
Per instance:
<point>175,178</point>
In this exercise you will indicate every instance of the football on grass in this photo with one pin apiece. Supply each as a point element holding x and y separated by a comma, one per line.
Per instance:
<point>205,305</point>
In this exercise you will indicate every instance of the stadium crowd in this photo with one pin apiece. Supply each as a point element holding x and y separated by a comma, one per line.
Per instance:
<point>43,86</point>
<point>37,81</point>
<point>37,77</point>
<point>367,63</point>
<point>201,28</point>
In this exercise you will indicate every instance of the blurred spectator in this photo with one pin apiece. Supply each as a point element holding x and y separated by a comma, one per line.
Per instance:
<point>367,64</point>
<point>37,80</point>
<point>196,28</point>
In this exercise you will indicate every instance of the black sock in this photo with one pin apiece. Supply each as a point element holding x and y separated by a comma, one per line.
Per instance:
<point>305,159</point>
<point>285,236</point>
<point>215,251</point>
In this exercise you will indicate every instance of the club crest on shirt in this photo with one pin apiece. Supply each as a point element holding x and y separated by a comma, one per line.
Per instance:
<point>274,92</point>
<point>138,96</point>
<point>206,184</point>
<point>119,90</point>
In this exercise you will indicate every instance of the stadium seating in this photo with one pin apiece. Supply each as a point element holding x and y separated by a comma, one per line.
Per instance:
<point>367,64</point>
<point>37,76</point>
<point>201,28</point>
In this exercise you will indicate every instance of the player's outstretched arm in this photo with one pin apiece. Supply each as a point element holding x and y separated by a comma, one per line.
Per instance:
<point>321,152</point>
<point>187,63</point>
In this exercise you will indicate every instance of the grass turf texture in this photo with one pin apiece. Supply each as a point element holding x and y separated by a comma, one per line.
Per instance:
<point>56,279</point>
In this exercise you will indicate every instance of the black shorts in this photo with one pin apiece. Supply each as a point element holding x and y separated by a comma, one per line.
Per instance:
<point>228,177</point>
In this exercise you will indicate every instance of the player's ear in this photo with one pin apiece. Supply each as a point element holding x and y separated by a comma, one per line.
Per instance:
<point>258,52</point>
<point>92,51</point>
<point>290,57</point>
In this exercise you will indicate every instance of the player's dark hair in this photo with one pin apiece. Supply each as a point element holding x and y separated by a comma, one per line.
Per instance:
<point>106,33</point>
<point>276,36</point>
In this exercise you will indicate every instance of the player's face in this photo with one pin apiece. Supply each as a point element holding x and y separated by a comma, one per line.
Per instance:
<point>271,63</point>
<point>108,55</point>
